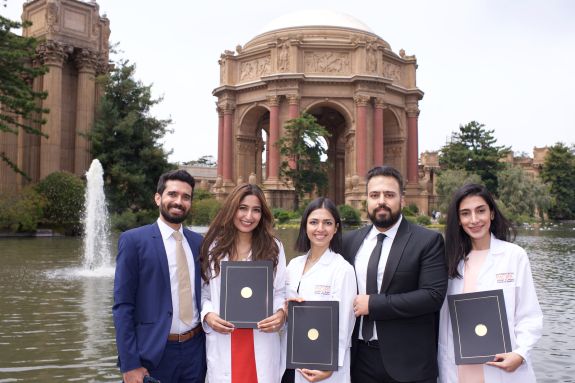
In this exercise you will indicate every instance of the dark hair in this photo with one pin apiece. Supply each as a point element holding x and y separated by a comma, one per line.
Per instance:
<point>303,243</point>
<point>457,242</point>
<point>386,171</point>
<point>179,175</point>
<point>220,240</point>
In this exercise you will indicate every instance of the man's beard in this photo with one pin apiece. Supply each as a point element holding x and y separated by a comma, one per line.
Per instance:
<point>173,219</point>
<point>385,222</point>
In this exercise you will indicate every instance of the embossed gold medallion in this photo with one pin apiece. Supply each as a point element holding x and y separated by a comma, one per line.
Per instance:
<point>246,292</point>
<point>481,329</point>
<point>313,334</point>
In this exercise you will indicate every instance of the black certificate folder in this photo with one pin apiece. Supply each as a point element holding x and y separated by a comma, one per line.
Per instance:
<point>246,292</point>
<point>480,328</point>
<point>313,331</point>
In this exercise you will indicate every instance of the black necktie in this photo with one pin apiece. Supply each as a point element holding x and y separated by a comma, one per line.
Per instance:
<point>371,284</point>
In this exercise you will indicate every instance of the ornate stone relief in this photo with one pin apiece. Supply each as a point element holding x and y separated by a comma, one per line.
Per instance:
<point>371,57</point>
<point>52,52</point>
<point>52,18</point>
<point>391,71</point>
<point>250,70</point>
<point>327,62</point>
<point>361,100</point>
<point>283,55</point>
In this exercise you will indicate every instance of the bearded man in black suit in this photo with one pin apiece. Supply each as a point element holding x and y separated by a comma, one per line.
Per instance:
<point>402,280</point>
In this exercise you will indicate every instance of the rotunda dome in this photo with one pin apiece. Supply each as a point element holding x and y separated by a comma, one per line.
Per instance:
<point>315,18</point>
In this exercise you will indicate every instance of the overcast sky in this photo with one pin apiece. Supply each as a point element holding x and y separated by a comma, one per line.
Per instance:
<point>508,64</point>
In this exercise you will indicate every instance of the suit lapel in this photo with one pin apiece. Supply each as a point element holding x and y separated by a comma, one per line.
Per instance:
<point>161,253</point>
<point>395,253</point>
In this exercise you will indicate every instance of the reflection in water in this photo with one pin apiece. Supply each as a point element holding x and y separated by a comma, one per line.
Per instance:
<point>57,326</point>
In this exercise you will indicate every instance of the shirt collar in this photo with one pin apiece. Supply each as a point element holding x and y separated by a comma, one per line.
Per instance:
<point>167,231</point>
<point>390,233</point>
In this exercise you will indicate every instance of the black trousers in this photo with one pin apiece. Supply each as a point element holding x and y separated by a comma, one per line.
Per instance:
<point>369,368</point>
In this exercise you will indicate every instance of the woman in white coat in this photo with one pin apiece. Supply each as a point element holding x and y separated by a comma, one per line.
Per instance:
<point>242,231</point>
<point>322,274</point>
<point>479,258</point>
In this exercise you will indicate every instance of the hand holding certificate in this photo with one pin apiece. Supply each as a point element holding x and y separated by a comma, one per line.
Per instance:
<point>479,323</point>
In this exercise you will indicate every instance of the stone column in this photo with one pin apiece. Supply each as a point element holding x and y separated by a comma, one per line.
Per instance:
<point>228,110</point>
<point>274,157</point>
<point>293,106</point>
<point>86,61</point>
<point>412,150</point>
<point>220,142</point>
<point>378,132</point>
<point>53,55</point>
<point>361,102</point>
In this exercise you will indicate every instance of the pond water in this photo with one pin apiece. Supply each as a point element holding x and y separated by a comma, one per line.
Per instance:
<point>56,319</point>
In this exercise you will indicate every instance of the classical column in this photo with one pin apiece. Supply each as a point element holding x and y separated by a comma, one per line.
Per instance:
<point>220,142</point>
<point>227,159</point>
<point>293,106</point>
<point>412,150</point>
<point>52,54</point>
<point>378,140</point>
<point>274,158</point>
<point>86,61</point>
<point>361,102</point>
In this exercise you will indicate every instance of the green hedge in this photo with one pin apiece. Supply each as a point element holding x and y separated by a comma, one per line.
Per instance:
<point>22,211</point>
<point>350,216</point>
<point>204,211</point>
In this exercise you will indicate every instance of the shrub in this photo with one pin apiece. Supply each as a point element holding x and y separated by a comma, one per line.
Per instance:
<point>281,215</point>
<point>129,219</point>
<point>204,211</point>
<point>21,212</point>
<point>410,210</point>
<point>423,220</point>
<point>349,215</point>
<point>64,194</point>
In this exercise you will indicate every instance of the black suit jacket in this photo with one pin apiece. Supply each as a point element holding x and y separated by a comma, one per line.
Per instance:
<point>406,309</point>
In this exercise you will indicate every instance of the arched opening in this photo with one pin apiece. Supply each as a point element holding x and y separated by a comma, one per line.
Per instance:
<point>253,144</point>
<point>335,123</point>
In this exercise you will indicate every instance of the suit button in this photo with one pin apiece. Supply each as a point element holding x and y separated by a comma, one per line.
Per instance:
<point>169,313</point>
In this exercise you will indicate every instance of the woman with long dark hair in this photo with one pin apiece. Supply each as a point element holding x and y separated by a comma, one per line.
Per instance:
<point>322,274</point>
<point>242,231</point>
<point>479,258</point>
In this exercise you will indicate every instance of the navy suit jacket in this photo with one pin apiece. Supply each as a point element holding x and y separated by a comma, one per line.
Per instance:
<point>406,309</point>
<point>142,295</point>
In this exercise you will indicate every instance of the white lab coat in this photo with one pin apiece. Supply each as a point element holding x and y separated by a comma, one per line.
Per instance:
<point>332,278</point>
<point>506,267</point>
<point>267,346</point>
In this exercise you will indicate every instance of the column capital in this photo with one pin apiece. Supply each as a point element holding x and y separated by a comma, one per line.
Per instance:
<point>293,99</point>
<point>226,107</point>
<point>52,52</point>
<point>412,110</point>
<point>86,60</point>
<point>361,99</point>
<point>379,103</point>
<point>273,100</point>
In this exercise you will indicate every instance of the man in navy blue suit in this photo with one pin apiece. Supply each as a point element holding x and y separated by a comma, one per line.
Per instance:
<point>153,336</point>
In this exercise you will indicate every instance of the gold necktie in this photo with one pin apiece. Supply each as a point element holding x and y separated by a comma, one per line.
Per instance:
<point>184,287</point>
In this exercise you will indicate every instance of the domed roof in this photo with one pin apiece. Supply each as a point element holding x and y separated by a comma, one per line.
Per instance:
<point>314,18</point>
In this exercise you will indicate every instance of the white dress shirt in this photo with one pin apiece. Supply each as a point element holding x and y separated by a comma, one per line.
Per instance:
<point>362,259</point>
<point>178,327</point>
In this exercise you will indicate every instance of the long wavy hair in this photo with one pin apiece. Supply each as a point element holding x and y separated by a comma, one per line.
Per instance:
<point>457,242</point>
<point>220,240</point>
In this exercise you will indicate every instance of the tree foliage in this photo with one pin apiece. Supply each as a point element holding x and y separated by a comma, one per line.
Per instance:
<point>64,194</point>
<point>21,211</point>
<point>559,173</point>
<point>302,147</point>
<point>522,195</point>
<point>127,141</point>
<point>206,160</point>
<point>473,149</point>
<point>20,106</point>
<point>449,181</point>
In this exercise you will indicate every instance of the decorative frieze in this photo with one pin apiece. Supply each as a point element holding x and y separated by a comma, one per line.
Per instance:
<point>254,69</point>
<point>283,55</point>
<point>327,62</point>
<point>392,71</point>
